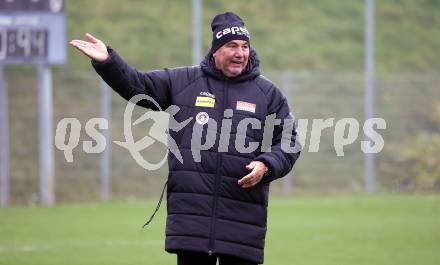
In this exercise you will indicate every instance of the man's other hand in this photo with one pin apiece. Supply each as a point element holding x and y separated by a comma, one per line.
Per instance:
<point>93,48</point>
<point>255,176</point>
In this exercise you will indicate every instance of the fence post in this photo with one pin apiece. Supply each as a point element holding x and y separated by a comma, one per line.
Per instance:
<point>287,87</point>
<point>369,88</point>
<point>45,135</point>
<point>197,31</point>
<point>106,157</point>
<point>4,140</point>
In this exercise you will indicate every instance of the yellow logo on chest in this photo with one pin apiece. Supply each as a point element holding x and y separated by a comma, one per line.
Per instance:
<point>205,102</point>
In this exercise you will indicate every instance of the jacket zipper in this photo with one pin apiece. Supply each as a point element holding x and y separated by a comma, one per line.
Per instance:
<point>214,208</point>
<point>216,185</point>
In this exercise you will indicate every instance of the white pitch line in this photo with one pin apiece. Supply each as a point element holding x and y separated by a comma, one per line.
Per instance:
<point>64,245</point>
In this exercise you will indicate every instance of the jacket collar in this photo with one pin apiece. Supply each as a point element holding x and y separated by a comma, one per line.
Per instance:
<point>250,72</point>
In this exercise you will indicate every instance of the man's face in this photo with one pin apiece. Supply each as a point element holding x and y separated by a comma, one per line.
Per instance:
<point>232,57</point>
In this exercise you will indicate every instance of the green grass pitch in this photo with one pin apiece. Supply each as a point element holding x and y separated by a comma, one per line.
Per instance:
<point>355,229</point>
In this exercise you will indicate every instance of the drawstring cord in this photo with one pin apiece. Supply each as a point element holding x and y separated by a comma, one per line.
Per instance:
<point>157,206</point>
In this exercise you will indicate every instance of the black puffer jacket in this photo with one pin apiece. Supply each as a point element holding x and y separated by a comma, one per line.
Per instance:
<point>207,210</point>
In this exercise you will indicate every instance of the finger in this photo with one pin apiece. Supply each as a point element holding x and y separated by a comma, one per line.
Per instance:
<point>91,38</point>
<point>84,49</point>
<point>246,179</point>
<point>243,180</point>
<point>253,181</point>
<point>251,165</point>
<point>249,184</point>
<point>73,42</point>
<point>80,43</point>
<point>76,45</point>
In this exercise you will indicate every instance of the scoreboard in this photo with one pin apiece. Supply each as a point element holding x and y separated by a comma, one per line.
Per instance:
<point>33,32</point>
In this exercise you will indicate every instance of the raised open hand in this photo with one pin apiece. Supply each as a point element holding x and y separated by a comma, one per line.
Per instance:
<point>93,48</point>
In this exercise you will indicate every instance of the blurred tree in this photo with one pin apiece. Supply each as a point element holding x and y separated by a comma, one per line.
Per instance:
<point>416,165</point>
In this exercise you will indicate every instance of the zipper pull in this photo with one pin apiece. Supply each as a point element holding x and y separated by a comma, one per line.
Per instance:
<point>210,253</point>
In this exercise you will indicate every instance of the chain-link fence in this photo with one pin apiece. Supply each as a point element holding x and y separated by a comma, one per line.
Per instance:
<point>406,102</point>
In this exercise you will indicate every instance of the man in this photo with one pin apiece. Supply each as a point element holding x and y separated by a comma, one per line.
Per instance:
<point>217,204</point>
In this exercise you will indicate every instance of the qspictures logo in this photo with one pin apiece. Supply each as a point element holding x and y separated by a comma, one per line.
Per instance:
<point>204,133</point>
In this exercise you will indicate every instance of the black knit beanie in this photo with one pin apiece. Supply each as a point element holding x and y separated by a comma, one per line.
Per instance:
<point>226,27</point>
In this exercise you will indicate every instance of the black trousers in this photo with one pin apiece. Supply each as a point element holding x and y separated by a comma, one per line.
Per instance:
<point>199,258</point>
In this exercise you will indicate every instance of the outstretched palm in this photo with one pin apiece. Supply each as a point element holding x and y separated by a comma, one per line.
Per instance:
<point>93,48</point>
